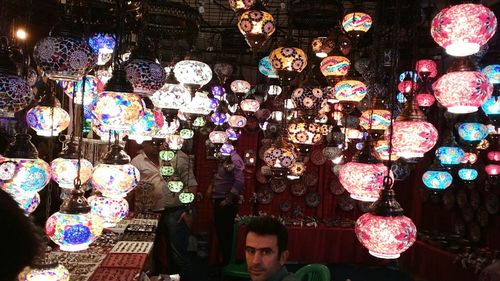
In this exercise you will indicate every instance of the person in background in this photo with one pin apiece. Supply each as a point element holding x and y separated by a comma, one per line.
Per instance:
<point>266,250</point>
<point>228,184</point>
<point>176,218</point>
<point>21,240</point>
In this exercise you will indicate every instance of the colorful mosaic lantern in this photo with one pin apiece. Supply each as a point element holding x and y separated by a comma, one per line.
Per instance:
<point>279,157</point>
<point>450,155</point>
<point>73,232</point>
<point>199,122</point>
<point>257,26</point>
<point>175,184</point>
<point>357,23</point>
<point>335,66</point>
<point>31,176</point>
<point>296,170</point>
<point>111,210</point>
<point>47,121</point>
<point>492,169</point>
<point>117,111</point>
<point>145,74</point>
<point>385,237</point>
<point>363,181</point>
<point>472,132</point>
<point>240,86</point>
<point>249,106</point>
<point>218,92</point>
<point>18,94</point>
<point>167,170</point>
<point>218,137</point>
<point>55,272</point>
<point>375,119</point>
<point>171,96</point>
<point>407,86</point>
<point>28,204</point>
<point>288,59</point>
<point>186,134</point>
<point>193,73</point>
<point>199,105</point>
<point>186,197</point>
<point>74,90</point>
<point>350,91</point>
<point>425,100</point>
<point>168,128</point>
<point>437,179</point>
<point>492,106</point>
<point>237,121</point>
<point>493,73</point>
<point>64,57</point>
<point>463,29</point>
<point>233,133</point>
<point>226,149</point>
<point>309,99</point>
<point>219,118</point>
<point>65,171</point>
<point>115,179</point>
<point>104,133</point>
<point>147,126</point>
<point>426,68</point>
<point>175,142</point>
<point>412,139</point>
<point>322,46</point>
<point>266,68</point>
<point>300,132</point>
<point>102,44</point>
<point>381,151</point>
<point>462,92</point>
<point>241,5</point>
<point>468,174</point>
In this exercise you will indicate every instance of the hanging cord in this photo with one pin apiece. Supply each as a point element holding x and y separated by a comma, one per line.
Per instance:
<point>78,181</point>
<point>395,47</point>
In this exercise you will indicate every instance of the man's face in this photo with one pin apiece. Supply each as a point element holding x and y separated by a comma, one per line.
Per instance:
<point>261,253</point>
<point>152,148</point>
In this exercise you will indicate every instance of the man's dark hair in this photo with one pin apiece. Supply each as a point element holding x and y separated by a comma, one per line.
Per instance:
<point>265,225</point>
<point>20,240</point>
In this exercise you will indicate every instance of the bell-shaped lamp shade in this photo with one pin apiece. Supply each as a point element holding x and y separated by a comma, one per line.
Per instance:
<point>426,68</point>
<point>111,210</point>
<point>257,26</point>
<point>65,171</point>
<point>412,139</point>
<point>56,272</point>
<point>223,71</point>
<point>74,90</point>
<point>288,59</point>
<point>73,232</point>
<point>117,111</point>
<point>335,66</point>
<point>114,180</point>
<point>147,126</point>
<point>493,73</point>
<point>357,22</point>
<point>363,181</point>
<point>463,91</point>
<point>47,120</point>
<point>450,155</point>
<point>192,72</point>
<point>350,91</point>
<point>64,58</point>
<point>462,29</point>
<point>240,86</point>
<point>437,179</point>
<point>266,68</point>
<point>385,237</point>
<point>146,75</point>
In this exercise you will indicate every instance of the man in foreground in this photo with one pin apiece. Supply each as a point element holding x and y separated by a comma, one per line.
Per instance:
<point>266,250</point>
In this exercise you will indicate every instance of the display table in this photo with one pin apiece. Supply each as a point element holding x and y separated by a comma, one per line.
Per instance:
<point>322,245</point>
<point>121,255</point>
<point>434,264</point>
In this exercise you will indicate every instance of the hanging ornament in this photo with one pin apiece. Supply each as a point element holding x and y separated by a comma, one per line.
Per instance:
<point>48,118</point>
<point>257,26</point>
<point>65,168</point>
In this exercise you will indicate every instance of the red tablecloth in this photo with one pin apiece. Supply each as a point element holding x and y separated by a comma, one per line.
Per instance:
<point>434,264</point>
<point>322,245</point>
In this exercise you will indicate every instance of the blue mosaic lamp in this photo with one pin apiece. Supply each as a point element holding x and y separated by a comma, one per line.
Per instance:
<point>493,73</point>
<point>467,174</point>
<point>437,180</point>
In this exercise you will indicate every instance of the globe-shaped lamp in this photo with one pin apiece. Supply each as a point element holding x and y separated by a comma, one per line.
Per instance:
<point>463,91</point>
<point>436,179</point>
<point>193,73</point>
<point>321,46</point>
<point>240,86</point>
<point>363,181</point>
<point>117,110</point>
<point>111,210</point>
<point>74,89</point>
<point>266,68</point>
<point>47,120</point>
<point>467,174</point>
<point>257,26</point>
<point>54,272</point>
<point>450,155</point>
<point>356,23</point>
<point>288,59</point>
<point>462,29</point>
<point>147,126</point>
<point>334,66</point>
<point>65,171</point>
<point>493,73</point>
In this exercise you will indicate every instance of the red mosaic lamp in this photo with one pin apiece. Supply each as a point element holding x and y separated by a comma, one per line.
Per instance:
<point>462,29</point>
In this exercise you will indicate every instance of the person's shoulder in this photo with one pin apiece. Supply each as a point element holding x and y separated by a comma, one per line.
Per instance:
<point>290,277</point>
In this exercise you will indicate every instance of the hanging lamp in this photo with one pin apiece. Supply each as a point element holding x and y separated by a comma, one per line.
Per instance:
<point>257,25</point>
<point>65,167</point>
<point>48,119</point>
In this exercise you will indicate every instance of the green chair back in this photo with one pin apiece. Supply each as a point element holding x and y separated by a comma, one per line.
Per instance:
<point>313,272</point>
<point>233,268</point>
